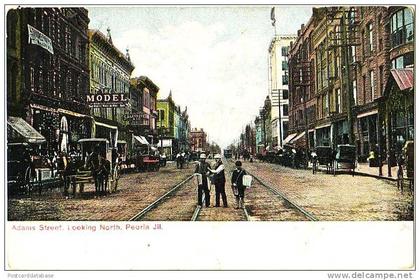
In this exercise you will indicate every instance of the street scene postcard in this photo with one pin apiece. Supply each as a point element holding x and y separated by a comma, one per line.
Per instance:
<point>210,137</point>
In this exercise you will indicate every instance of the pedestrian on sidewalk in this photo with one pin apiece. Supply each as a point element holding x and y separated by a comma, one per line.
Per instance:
<point>238,187</point>
<point>219,181</point>
<point>202,168</point>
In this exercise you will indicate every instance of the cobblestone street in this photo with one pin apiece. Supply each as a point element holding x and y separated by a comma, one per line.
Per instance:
<point>339,198</point>
<point>328,198</point>
<point>135,192</point>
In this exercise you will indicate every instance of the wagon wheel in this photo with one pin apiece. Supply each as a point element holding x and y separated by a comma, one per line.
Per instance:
<point>313,166</point>
<point>400,179</point>
<point>28,181</point>
<point>115,178</point>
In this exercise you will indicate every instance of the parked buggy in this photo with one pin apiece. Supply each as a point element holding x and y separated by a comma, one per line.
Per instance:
<point>27,170</point>
<point>322,156</point>
<point>109,176</point>
<point>345,158</point>
<point>406,167</point>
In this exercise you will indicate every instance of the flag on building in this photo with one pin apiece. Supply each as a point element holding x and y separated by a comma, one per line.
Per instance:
<point>273,17</point>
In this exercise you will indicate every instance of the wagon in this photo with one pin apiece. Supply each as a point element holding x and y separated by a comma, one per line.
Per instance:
<point>323,155</point>
<point>87,147</point>
<point>406,166</point>
<point>27,171</point>
<point>345,158</point>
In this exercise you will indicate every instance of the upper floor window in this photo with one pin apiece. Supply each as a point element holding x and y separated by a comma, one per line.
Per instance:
<point>284,65</point>
<point>402,27</point>
<point>284,51</point>
<point>285,94</point>
<point>370,34</point>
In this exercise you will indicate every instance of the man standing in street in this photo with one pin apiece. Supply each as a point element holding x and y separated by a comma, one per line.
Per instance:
<point>202,168</point>
<point>219,181</point>
<point>237,184</point>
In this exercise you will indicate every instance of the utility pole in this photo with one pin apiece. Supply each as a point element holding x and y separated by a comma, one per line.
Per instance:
<point>347,45</point>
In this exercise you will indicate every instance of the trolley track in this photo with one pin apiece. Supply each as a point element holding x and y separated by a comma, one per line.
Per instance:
<point>170,202</point>
<point>268,203</point>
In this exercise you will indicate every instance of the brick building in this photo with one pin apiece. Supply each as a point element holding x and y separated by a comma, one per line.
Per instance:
<point>48,72</point>
<point>346,64</point>
<point>198,140</point>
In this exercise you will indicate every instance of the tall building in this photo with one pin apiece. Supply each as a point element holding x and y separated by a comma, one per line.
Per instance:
<point>352,80</point>
<point>110,72</point>
<point>279,86</point>
<point>48,73</point>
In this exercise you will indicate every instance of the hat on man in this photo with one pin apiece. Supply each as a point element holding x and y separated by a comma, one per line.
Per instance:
<point>238,163</point>
<point>217,156</point>
<point>203,156</point>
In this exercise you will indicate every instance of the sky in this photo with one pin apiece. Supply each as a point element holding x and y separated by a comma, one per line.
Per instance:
<point>214,59</point>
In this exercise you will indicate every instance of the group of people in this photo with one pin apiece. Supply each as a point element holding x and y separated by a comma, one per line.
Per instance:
<point>218,178</point>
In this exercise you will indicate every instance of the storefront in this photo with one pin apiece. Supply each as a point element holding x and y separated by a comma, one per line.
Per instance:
<point>397,112</point>
<point>367,133</point>
<point>323,135</point>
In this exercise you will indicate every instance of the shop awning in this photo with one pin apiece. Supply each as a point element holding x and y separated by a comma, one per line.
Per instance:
<point>141,139</point>
<point>21,129</point>
<point>297,137</point>
<point>71,113</point>
<point>106,125</point>
<point>165,143</point>
<point>403,77</point>
<point>288,138</point>
<point>323,126</point>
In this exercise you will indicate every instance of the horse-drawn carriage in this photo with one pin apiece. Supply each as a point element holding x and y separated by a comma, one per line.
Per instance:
<point>27,170</point>
<point>322,156</point>
<point>406,167</point>
<point>345,158</point>
<point>105,171</point>
<point>293,156</point>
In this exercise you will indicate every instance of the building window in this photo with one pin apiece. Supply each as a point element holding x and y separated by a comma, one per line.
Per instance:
<point>285,79</point>
<point>403,61</point>
<point>353,54</point>
<point>372,85</point>
<point>370,34</point>
<point>402,27</point>
<point>284,65</point>
<point>284,51</point>
<point>338,92</point>
<point>364,89</point>
<point>381,79</point>
<point>355,92</point>
<point>285,94</point>
<point>285,110</point>
<point>32,78</point>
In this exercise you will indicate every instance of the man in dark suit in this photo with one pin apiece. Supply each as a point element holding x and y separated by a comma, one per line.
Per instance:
<point>219,181</point>
<point>202,168</point>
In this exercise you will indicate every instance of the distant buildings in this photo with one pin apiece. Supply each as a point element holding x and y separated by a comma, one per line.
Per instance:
<point>173,127</point>
<point>198,140</point>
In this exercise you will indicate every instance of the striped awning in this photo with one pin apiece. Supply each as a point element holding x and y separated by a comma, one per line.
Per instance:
<point>403,77</point>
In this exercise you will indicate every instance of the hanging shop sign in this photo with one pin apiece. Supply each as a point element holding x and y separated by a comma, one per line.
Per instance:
<point>36,37</point>
<point>107,100</point>
<point>134,118</point>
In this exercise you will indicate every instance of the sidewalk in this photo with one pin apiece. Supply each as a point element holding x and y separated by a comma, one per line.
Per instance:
<point>364,170</point>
